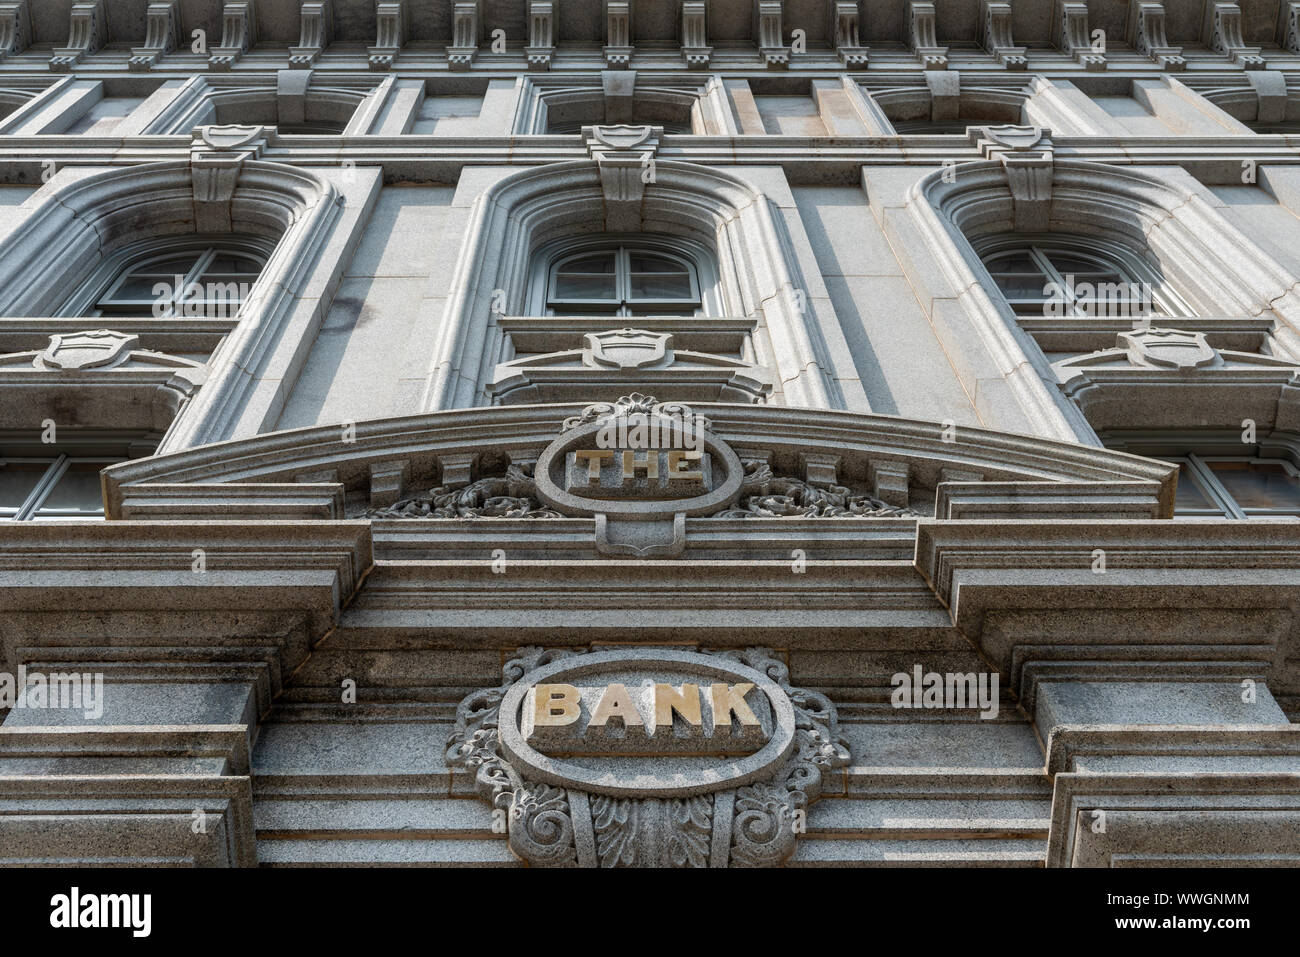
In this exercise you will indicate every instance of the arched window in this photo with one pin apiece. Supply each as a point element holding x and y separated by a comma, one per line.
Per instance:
<point>1058,276</point>
<point>200,277</point>
<point>623,276</point>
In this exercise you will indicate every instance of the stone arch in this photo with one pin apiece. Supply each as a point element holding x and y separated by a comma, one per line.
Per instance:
<point>88,215</point>
<point>211,101</point>
<point>1215,268</point>
<point>759,277</point>
<point>973,104</point>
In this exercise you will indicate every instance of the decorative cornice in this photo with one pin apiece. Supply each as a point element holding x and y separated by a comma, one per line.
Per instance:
<point>618,34</point>
<point>769,33</point>
<point>695,34</point>
<point>1074,37</point>
<point>1221,32</point>
<point>88,34</point>
<point>162,22</point>
<point>392,20</point>
<point>317,33</point>
<point>467,33</point>
<point>995,34</point>
<point>922,35</point>
<point>238,33</point>
<point>541,34</point>
<point>15,27</point>
<point>1146,34</point>
<point>843,28</point>
<point>926,446</point>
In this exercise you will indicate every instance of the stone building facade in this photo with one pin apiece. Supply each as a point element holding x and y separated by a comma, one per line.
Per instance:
<point>649,432</point>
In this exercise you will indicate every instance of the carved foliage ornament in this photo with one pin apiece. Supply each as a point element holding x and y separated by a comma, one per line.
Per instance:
<point>512,495</point>
<point>613,811</point>
<point>764,495</point>
<point>724,488</point>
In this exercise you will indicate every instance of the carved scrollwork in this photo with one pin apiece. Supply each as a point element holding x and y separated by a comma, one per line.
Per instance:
<point>758,822</point>
<point>762,831</point>
<point>634,404</point>
<point>513,495</point>
<point>541,829</point>
<point>765,495</point>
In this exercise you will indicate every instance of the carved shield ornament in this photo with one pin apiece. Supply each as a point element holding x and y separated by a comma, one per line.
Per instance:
<point>1014,137</point>
<point>622,137</point>
<point>96,349</point>
<point>627,349</point>
<point>229,137</point>
<point>1168,348</point>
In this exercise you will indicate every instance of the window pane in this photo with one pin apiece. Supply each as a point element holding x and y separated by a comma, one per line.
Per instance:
<point>17,479</point>
<point>78,489</point>
<point>1190,497</point>
<point>138,289</point>
<point>1064,263</point>
<point>1021,287</point>
<point>599,263</point>
<point>661,286</point>
<point>1013,262</point>
<point>578,286</point>
<point>233,264</point>
<point>1259,484</point>
<point>647,262</point>
<point>169,267</point>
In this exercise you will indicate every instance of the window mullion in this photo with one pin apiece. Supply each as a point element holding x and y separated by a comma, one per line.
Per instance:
<point>43,488</point>
<point>1211,484</point>
<point>1053,275</point>
<point>623,280</point>
<point>201,265</point>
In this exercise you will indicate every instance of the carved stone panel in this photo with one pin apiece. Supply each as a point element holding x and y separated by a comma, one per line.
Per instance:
<point>609,758</point>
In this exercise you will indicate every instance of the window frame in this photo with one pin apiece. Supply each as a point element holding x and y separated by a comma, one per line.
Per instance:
<point>97,448</point>
<point>1198,468</point>
<point>1110,256</point>
<point>701,268</point>
<point>33,508</point>
<point>117,269</point>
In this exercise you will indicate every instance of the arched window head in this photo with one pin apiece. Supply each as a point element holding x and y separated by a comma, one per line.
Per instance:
<point>198,277</point>
<point>319,128</point>
<point>1055,276</point>
<point>931,127</point>
<point>623,276</point>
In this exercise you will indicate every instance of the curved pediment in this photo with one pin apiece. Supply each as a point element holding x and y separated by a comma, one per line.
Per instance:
<point>798,463</point>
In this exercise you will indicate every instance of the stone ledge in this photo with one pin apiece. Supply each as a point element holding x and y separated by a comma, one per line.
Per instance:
<point>1144,819</point>
<point>122,820</point>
